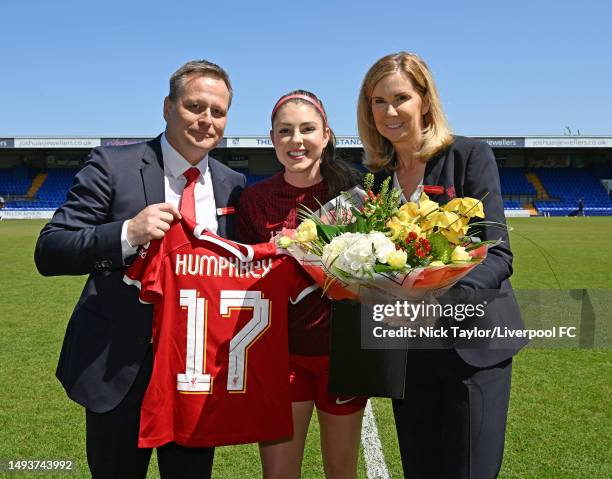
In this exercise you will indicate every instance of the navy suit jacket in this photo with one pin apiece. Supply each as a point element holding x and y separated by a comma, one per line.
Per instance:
<point>468,168</point>
<point>109,332</point>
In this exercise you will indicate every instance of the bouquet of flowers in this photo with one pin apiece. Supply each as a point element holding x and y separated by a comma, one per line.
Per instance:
<point>366,240</point>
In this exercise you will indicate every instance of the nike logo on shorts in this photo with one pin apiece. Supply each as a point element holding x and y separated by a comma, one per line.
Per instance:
<point>340,402</point>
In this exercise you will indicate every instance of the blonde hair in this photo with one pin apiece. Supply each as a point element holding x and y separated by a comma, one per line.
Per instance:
<point>379,152</point>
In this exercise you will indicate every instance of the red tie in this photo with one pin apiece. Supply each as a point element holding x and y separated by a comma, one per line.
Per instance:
<point>188,197</point>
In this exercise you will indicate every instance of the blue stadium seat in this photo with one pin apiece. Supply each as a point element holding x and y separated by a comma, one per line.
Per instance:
<point>11,184</point>
<point>53,192</point>
<point>512,205</point>
<point>514,182</point>
<point>50,196</point>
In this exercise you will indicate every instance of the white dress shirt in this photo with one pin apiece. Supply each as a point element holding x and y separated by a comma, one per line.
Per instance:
<point>174,183</point>
<point>416,194</point>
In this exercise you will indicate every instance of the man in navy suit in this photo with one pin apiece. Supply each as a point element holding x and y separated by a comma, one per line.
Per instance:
<point>125,197</point>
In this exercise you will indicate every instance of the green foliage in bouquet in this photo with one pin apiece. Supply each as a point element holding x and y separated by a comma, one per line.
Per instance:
<point>440,247</point>
<point>377,208</point>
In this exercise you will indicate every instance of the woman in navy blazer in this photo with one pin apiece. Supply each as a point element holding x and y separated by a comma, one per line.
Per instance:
<point>451,421</point>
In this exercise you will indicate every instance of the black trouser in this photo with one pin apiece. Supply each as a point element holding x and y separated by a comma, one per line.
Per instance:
<point>452,420</point>
<point>112,443</point>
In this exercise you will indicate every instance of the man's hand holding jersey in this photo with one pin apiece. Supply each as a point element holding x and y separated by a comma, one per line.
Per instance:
<point>151,223</point>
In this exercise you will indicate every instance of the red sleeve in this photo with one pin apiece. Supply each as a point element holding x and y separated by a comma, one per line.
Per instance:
<point>146,272</point>
<point>264,250</point>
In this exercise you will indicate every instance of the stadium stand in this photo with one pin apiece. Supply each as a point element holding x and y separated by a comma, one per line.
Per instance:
<point>564,186</point>
<point>567,186</point>
<point>53,191</point>
<point>50,196</point>
<point>12,184</point>
<point>512,205</point>
<point>516,189</point>
<point>514,182</point>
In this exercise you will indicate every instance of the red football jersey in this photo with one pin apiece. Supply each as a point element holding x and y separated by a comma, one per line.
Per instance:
<point>220,370</point>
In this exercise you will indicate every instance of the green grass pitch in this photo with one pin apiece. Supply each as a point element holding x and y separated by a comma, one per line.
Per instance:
<point>560,419</point>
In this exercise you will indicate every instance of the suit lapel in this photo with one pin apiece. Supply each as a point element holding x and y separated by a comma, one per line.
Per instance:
<point>433,170</point>
<point>221,192</point>
<point>152,172</point>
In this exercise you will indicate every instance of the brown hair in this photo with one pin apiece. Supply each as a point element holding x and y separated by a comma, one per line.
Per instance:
<point>379,152</point>
<point>338,174</point>
<point>200,67</point>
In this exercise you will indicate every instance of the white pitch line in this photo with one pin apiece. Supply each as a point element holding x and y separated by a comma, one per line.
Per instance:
<point>376,467</point>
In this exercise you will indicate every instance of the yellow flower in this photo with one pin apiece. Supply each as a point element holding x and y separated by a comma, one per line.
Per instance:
<point>397,259</point>
<point>306,231</point>
<point>465,221</point>
<point>467,206</point>
<point>436,263</point>
<point>400,230</point>
<point>397,229</point>
<point>454,237</point>
<point>460,255</point>
<point>284,241</point>
<point>408,212</point>
<point>442,219</point>
<point>426,206</point>
<point>452,226</point>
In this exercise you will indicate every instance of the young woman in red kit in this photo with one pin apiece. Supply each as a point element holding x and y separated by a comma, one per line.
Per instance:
<point>305,146</point>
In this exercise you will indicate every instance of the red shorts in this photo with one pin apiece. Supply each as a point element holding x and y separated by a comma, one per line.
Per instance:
<point>309,377</point>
